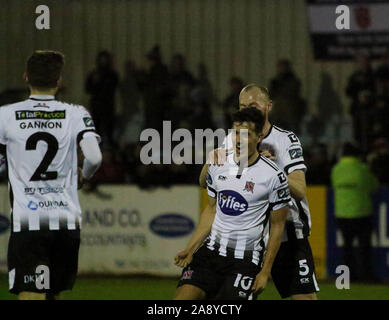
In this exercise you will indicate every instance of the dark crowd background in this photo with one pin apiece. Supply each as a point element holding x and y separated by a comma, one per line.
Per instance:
<point>162,91</point>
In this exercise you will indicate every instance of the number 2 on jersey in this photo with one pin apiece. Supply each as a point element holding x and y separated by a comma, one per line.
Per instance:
<point>41,172</point>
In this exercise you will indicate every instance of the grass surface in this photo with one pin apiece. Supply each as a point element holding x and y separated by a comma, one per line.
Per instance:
<point>133,288</point>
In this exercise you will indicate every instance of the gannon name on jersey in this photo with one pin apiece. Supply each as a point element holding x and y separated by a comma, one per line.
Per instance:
<point>41,125</point>
<point>40,115</point>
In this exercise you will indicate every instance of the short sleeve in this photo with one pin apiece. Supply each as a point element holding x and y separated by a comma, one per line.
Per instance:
<point>83,124</point>
<point>211,187</point>
<point>279,191</point>
<point>291,155</point>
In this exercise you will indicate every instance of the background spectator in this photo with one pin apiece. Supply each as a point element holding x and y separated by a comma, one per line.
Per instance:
<point>379,160</point>
<point>289,106</point>
<point>101,84</point>
<point>353,185</point>
<point>231,102</point>
<point>361,88</point>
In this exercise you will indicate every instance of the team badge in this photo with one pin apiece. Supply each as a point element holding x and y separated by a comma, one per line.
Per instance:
<point>249,186</point>
<point>187,275</point>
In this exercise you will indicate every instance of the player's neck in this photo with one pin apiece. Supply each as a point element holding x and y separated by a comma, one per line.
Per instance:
<point>45,92</point>
<point>251,159</point>
<point>266,127</point>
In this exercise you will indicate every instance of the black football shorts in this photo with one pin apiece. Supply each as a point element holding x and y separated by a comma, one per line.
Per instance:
<point>221,278</point>
<point>43,261</point>
<point>293,270</point>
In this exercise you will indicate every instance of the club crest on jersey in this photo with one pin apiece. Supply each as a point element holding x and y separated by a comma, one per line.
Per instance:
<point>249,186</point>
<point>187,275</point>
<point>88,122</point>
<point>232,203</point>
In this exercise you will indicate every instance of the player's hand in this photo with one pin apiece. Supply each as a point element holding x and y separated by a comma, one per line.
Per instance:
<point>218,156</point>
<point>80,179</point>
<point>183,258</point>
<point>260,282</point>
<point>267,154</point>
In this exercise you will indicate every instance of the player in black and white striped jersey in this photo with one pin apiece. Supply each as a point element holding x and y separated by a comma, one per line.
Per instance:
<point>231,258</point>
<point>40,137</point>
<point>294,269</point>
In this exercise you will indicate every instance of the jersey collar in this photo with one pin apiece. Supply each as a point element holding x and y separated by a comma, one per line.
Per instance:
<point>41,97</point>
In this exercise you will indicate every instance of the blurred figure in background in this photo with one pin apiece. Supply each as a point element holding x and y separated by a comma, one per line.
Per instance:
<point>318,163</point>
<point>382,71</point>
<point>101,84</point>
<point>285,90</point>
<point>179,73</point>
<point>231,102</point>
<point>157,93</point>
<point>202,98</point>
<point>379,160</point>
<point>353,185</point>
<point>129,90</point>
<point>131,119</point>
<point>361,88</point>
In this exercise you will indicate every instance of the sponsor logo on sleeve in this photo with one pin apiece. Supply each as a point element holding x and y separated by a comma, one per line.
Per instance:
<point>88,122</point>
<point>283,193</point>
<point>295,153</point>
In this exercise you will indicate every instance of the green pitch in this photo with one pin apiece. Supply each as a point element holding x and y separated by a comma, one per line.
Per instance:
<point>133,288</point>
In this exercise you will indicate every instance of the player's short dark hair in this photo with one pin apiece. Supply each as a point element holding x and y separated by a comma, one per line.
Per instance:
<point>44,68</point>
<point>250,114</point>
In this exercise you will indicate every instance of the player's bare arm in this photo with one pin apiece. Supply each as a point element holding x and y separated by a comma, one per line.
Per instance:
<point>297,184</point>
<point>203,176</point>
<point>183,258</point>
<point>277,222</point>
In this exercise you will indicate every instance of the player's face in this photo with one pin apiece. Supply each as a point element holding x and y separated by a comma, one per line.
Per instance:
<point>254,98</point>
<point>246,139</point>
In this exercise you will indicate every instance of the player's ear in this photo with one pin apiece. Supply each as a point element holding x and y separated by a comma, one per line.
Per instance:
<point>25,78</point>
<point>270,105</point>
<point>59,82</point>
